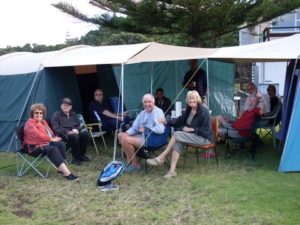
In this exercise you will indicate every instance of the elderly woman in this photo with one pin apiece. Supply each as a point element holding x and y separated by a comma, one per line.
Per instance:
<point>253,92</point>
<point>40,140</point>
<point>196,129</point>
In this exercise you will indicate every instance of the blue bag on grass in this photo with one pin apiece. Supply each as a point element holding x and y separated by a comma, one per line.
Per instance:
<point>109,173</point>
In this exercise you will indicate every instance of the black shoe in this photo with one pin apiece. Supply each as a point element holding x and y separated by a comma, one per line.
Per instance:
<point>71,177</point>
<point>76,162</point>
<point>84,158</point>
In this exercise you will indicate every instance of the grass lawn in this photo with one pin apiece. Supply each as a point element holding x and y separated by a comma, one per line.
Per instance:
<point>238,191</point>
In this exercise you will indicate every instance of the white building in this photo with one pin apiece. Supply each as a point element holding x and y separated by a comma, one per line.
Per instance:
<point>281,26</point>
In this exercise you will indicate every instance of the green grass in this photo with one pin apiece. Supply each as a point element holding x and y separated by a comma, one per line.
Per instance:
<point>238,191</point>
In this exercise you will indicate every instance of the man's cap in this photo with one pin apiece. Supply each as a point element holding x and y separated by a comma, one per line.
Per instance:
<point>67,101</point>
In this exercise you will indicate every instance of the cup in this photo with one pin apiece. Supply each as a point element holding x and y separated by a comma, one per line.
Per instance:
<point>173,114</point>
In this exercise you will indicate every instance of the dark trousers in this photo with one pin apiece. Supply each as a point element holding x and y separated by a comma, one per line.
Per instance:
<point>55,151</point>
<point>78,143</point>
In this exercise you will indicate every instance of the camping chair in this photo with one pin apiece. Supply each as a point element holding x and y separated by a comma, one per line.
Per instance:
<point>153,142</point>
<point>264,124</point>
<point>90,128</point>
<point>25,161</point>
<point>207,147</point>
<point>252,138</point>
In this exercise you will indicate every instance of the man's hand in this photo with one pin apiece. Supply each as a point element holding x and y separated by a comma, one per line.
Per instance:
<point>188,129</point>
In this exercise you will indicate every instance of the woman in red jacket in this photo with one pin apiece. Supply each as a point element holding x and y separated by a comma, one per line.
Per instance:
<point>39,139</point>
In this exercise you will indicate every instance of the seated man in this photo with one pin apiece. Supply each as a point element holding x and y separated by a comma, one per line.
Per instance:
<point>133,138</point>
<point>109,120</point>
<point>163,102</point>
<point>275,103</point>
<point>65,124</point>
<point>240,127</point>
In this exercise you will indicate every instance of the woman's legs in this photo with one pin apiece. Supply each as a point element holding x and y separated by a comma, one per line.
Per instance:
<point>168,149</point>
<point>175,158</point>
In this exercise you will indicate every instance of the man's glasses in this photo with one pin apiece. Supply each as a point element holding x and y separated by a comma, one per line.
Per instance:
<point>38,113</point>
<point>98,94</point>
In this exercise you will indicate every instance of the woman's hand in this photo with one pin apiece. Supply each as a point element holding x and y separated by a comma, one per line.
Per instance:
<point>55,139</point>
<point>188,129</point>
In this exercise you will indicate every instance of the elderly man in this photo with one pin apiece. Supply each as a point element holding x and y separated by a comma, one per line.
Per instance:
<point>151,118</point>
<point>65,124</point>
<point>109,120</point>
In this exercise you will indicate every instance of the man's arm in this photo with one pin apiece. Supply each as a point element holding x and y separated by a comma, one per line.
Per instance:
<point>158,116</point>
<point>55,124</point>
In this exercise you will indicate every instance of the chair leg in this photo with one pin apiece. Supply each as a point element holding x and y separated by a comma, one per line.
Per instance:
<point>197,154</point>
<point>95,146</point>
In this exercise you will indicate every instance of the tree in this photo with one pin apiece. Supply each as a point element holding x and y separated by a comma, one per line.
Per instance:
<point>197,22</point>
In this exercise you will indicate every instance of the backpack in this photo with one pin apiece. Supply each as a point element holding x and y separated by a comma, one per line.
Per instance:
<point>109,173</point>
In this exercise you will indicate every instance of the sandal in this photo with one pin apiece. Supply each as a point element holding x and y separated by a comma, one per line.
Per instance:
<point>154,162</point>
<point>170,175</point>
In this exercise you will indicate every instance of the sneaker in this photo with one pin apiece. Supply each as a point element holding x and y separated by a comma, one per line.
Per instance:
<point>75,162</point>
<point>84,158</point>
<point>154,162</point>
<point>170,175</point>
<point>71,177</point>
<point>131,168</point>
<point>109,187</point>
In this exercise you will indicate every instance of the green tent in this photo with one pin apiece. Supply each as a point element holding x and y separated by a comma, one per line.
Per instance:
<point>75,72</point>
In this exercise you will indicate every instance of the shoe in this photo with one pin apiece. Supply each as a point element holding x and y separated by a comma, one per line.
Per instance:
<point>221,141</point>
<point>75,162</point>
<point>170,175</point>
<point>208,155</point>
<point>84,158</point>
<point>108,187</point>
<point>71,177</point>
<point>154,162</point>
<point>131,168</point>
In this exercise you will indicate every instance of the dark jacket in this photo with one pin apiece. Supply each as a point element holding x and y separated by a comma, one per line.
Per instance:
<point>61,123</point>
<point>201,122</point>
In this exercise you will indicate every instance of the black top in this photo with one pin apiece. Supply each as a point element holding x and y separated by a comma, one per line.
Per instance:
<point>200,79</point>
<point>164,104</point>
<point>201,122</point>
<point>61,123</point>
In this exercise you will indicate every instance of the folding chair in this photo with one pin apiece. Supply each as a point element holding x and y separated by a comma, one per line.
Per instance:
<point>25,160</point>
<point>207,147</point>
<point>153,142</point>
<point>264,124</point>
<point>252,137</point>
<point>90,128</point>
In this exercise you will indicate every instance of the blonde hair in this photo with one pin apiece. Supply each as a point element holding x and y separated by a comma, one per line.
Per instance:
<point>37,106</point>
<point>191,94</point>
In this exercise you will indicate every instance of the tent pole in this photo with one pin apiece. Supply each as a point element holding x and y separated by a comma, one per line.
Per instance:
<point>122,109</point>
<point>151,83</point>
<point>24,106</point>
<point>207,72</point>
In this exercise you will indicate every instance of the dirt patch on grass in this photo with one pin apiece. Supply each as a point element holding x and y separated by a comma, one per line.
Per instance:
<point>2,186</point>
<point>22,201</point>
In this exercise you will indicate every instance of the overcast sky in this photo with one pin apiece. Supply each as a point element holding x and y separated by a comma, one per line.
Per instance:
<point>37,21</point>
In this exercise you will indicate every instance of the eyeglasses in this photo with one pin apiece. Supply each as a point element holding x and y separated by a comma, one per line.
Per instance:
<point>98,94</point>
<point>38,113</point>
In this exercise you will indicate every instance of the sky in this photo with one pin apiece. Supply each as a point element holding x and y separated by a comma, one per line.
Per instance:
<point>37,21</point>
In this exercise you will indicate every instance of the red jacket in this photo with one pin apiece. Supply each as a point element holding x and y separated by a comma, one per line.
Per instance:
<point>35,133</point>
<point>246,122</point>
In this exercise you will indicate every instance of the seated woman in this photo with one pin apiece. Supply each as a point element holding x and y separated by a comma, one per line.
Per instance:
<point>197,130</point>
<point>40,137</point>
<point>240,127</point>
<point>252,91</point>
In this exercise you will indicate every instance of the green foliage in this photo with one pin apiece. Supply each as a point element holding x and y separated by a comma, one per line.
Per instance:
<point>204,22</point>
